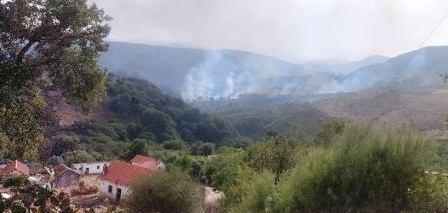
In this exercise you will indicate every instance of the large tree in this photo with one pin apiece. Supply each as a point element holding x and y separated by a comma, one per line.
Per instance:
<point>46,45</point>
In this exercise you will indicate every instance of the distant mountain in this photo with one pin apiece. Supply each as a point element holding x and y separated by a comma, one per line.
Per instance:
<point>213,74</point>
<point>194,73</point>
<point>414,69</point>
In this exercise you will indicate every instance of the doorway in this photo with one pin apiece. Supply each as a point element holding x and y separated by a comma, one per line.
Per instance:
<point>118,196</point>
<point>87,171</point>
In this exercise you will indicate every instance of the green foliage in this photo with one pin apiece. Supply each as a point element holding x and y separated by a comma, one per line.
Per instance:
<point>138,147</point>
<point>221,169</point>
<point>159,117</point>
<point>254,115</point>
<point>192,165</point>
<point>78,156</point>
<point>29,197</point>
<point>362,168</point>
<point>330,128</point>
<point>137,110</point>
<point>275,154</point>
<point>46,46</point>
<point>13,181</point>
<point>258,194</point>
<point>173,145</point>
<point>205,149</point>
<point>164,192</point>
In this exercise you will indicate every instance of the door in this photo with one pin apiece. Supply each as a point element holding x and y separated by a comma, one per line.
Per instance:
<point>118,197</point>
<point>87,171</point>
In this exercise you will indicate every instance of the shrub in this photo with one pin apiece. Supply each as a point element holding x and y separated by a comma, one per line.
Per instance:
<point>78,156</point>
<point>164,192</point>
<point>258,193</point>
<point>361,169</point>
<point>173,145</point>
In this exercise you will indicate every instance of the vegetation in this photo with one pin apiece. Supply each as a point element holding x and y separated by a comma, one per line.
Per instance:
<point>360,169</point>
<point>172,191</point>
<point>136,116</point>
<point>253,116</point>
<point>29,197</point>
<point>46,46</point>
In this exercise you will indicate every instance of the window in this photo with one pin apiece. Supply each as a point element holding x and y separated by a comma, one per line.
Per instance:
<point>97,167</point>
<point>109,189</point>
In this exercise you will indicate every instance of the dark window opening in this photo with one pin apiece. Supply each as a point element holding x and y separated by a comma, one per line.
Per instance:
<point>109,189</point>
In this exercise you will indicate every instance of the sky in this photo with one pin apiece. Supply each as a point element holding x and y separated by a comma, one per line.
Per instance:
<point>295,30</point>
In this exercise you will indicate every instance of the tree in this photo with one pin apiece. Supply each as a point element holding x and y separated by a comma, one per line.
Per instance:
<point>199,148</point>
<point>46,46</point>
<point>275,154</point>
<point>78,156</point>
<point>138,147</point>
<point>164,192</point>
<point>330,128</point>
<point>173,144</point>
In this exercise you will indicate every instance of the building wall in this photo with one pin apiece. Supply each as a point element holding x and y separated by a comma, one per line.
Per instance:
<point>66,180</point>
<point>104,189</point>
<point>94,168</point>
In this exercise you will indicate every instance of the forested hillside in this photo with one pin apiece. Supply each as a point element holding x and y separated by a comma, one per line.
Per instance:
<point>136,110</point>
<point>254,115</point>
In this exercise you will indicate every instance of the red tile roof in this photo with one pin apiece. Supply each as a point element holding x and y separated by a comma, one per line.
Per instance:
<point>60,169</point>
<point>16,166</point>
<point>145,161</point>
<point>122,172</point>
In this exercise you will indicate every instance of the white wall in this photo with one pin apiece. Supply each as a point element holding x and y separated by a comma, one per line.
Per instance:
<point>94,168</point>
<point>104,187</point>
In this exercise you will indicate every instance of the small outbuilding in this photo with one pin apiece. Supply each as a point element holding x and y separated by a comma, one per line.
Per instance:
<point>148,162</point>
<point>65,176</point>
<point>89,167</point>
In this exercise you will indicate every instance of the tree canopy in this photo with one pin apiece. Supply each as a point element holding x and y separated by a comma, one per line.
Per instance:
<point>46,46</point>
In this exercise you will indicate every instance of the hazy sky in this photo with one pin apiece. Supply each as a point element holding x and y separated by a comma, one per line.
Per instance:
<point>290,29</point>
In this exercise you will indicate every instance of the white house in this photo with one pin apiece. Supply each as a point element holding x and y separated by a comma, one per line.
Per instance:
<point>89,168</point>
<point>117,177</point>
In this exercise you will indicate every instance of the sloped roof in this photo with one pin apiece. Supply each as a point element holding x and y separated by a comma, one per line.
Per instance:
<point>16,166</point>
<point>61,168</point>
<point>143,159</point>
<point>146,162</point>
<point>122,172</point>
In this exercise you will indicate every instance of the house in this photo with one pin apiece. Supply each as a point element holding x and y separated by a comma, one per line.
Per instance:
<point>64,176</point>
<point>118,176</point>
<point>148,162</point>
<point>15,168</point>
<point>89,168</point>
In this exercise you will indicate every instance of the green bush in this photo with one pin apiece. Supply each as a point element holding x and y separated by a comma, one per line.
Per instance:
<point>79,156</point>
<point>258,194</point>
<point>362,169</point>
<point>164,192</point>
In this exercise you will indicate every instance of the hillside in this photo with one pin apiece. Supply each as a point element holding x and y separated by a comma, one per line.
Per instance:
<point>138,110</point>
<point>254,115</point>
<point>204,74</point>
<point>414,69</point>
<point>422,108</point>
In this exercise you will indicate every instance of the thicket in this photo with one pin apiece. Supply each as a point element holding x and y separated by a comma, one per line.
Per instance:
<point>359,169</point>
<point>171,191</point>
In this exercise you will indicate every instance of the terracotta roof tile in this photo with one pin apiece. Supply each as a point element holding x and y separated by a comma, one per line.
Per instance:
<point>146,162</point>
<point>59,169</point>
<point>122,172</point>
<point>18,166</point>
